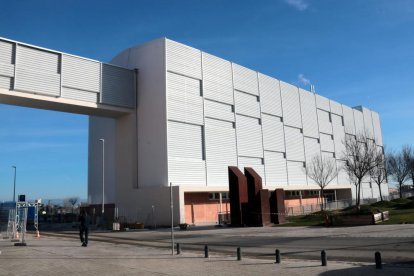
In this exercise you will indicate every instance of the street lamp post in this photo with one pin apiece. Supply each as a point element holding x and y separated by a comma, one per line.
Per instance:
<point>14,186</point>
<point>103,174</point>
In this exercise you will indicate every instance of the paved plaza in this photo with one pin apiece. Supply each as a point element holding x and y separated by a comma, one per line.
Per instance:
<point>51,255</point>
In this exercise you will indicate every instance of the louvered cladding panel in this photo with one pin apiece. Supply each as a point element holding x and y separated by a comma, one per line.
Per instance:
<point>247,104</point>
<point>329,157</point>
<point>81,74</point>
<point>6,70</point>
<point>255,163</point>
<point>79,95</point>
<point>220,151</point>
<point>186,171</point>
<point>271,101</point>
<point>185,140</point>
<point>273,133</point>
<point>322,103</point>
<point>336,107</point>
<point>327,144</point>
<point>339,135</point>
<point>6,52</point>
<point>217,79</point>
<point>184,101</point>
<point>349,119</point>
<point>296,173</point>
<point>290,104</point>
<point>249,136</point>
<point>5,82</point>
<point>312,150</point>
<point>183,59</point>
<point>294,144</point>
<point>359,122</point>
<point>245,79</point>
<point>275,168</point>
<point>38,71</point>
<point>309,117</point>
<point>343,178</point>
<point>325,125</point>
<point>369,129</point>
<point>218,110</point>
<point>118,86</point>
<point>377,128</point>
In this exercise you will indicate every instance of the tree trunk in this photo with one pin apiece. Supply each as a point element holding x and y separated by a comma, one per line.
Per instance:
<point>359,195</point>
<point>400,183</point>
<point>322,201</point>
<point>379,188</point>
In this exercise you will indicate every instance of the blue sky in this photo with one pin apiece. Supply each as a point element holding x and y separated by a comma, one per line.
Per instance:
<point>355,52</point>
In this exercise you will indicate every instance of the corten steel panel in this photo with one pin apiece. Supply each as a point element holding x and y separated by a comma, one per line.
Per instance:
<point>264,207</point>
<point>258,199</point>
<point>238,196</point>
<point>254,183</point>
<point>277,207</point>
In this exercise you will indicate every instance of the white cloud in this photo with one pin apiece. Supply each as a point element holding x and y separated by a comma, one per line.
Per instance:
<point>304,81</point>
<point>300,5</point>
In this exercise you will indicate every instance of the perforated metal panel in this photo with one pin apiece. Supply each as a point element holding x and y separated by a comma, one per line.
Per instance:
<point>217,79</point>
<point>118,86</point>
<point>37,71</point>
<point>296,173</point>
<point>185,103</point>
<point>336,107</point>
<point>309,117</point>
<point>359,122</point>
<point>245,79</point>
<point>327,143</point>
<point>377,128</point>
<point>255,163</point>
<point>273,133</point>
<point>249,137</point>
<point>81,74</point>
<point>183,59</point>
<point>247,104</point>
<point>220,150</point>
<point>322,103</point>
<point>324,121</point>
<point>290,105</point>
<point>339,135</point>
<point>275,168</point>
<point>349,120</point>
<point>294,144</point>
<point>270,99</point>
<point>218,110</point>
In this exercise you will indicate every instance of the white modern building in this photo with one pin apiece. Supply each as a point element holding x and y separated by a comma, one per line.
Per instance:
<point>182,116</point>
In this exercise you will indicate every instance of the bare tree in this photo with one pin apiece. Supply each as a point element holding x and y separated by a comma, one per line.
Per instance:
<point>321,170</point>
<point>410,160</point>
<point>379,174</point>
<point>399,166</point>
<point>72,201</point>
<point>361,156</point>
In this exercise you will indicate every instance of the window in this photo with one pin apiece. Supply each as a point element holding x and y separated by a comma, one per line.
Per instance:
<point>216,195</point>
<point>293,193</point>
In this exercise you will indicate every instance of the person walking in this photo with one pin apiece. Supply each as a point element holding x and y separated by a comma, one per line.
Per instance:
<point>84,220</point>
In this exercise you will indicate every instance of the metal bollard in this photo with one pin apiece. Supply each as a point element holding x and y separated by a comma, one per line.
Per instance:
<point>277,254</point>
<point>323,258</point>
<point>239,255</point>
<point>178,249</point>
<point>206,251</point>
<point>378,261</point>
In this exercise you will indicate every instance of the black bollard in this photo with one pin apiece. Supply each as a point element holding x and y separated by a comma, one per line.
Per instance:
<point>239,257</point>
<point>206,251</point>
<point>178,249</point>
<point>378,261</point>
<point>323,257</point>
<point>277,254</point>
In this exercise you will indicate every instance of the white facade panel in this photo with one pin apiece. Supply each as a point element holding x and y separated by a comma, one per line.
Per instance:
<point>322,103</point>
<point>218,110</point>
<point>312,149</point>
<point>309,116</point>
<point>245,79</point>
<point>327,143</point>
<point>336,108</point>
<point>79,95</point>
<point>247,104</point>
<point>185,140</point>
<point>183,59</point>
<point>329,156</point>
<point>273,133</point>
<point>186,172</point>
<point>290,105</point>
<point>5,82</point>
<point>38,60</point>
<point>369,128</point>
<point>6,52</point>
<point>359,122</point>
<point>270,99</point>
<point>366,190</point>
<point>324,121</point>
<point>294,144</point>
<point>220,150</point>
<point>217,79</point>
<point>296,173</point>
<point>349,120</point>
<point>249,136</point>
<point>81,74</point>
<point>339,135</point>
<point>275,168</point>
<point>184,103</point>
<point>343,178</point>
<point>118,86</point>
<point>377,128</point>
<point>255,163</point>
<point>6,70</point>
